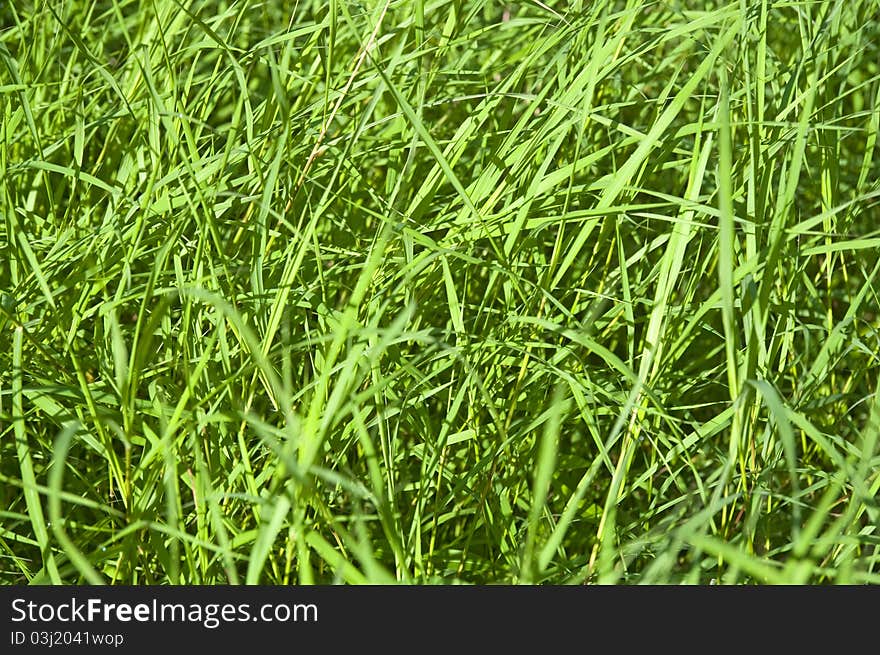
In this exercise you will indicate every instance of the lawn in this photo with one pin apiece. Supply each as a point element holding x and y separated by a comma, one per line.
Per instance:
<point>436,292</point>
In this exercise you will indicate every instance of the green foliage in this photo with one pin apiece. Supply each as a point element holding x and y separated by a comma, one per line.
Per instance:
<point>429,292</point>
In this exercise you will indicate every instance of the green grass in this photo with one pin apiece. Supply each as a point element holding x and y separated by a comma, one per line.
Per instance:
<point>563,292</point>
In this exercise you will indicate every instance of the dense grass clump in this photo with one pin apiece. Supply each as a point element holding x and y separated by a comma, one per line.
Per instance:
<point>439,291</point>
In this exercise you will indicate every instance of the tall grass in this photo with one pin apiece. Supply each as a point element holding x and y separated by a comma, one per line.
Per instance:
<point>439,291</point>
